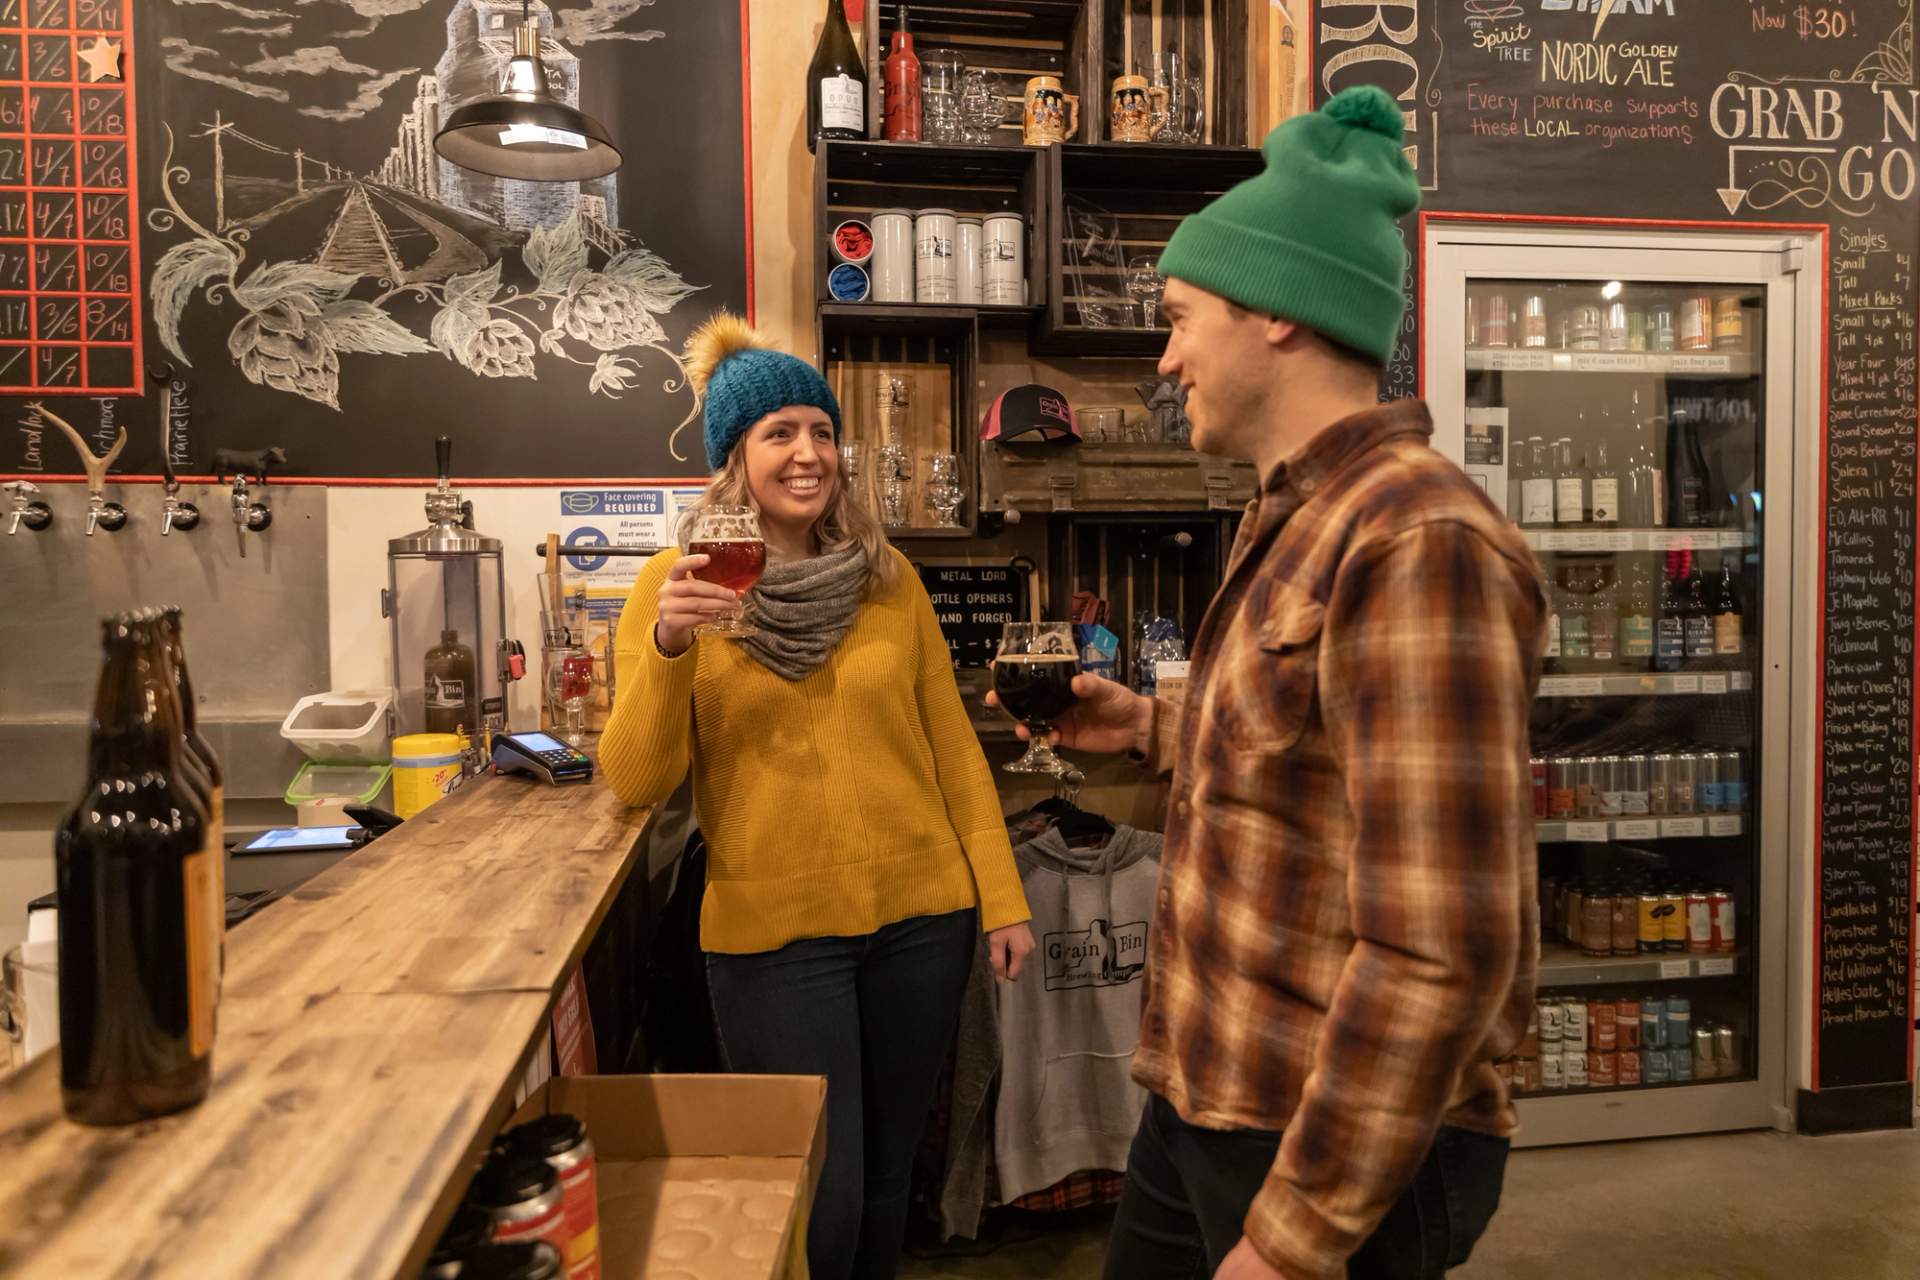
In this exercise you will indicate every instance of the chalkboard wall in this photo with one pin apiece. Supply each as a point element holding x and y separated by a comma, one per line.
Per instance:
<point>311,271</point>
<point>1734,111</point>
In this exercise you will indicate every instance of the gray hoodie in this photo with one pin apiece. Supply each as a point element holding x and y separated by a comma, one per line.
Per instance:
<point>1069,1026</point>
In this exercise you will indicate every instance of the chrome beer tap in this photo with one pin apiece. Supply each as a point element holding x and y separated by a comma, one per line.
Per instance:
<point>245,467</point>
<point>175,514</point>
<point>27,510</point>
<point>101,514</point>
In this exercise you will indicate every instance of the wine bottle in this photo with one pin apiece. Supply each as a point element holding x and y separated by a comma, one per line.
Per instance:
<point>1576,639</point>
<point>903,86</point>
<point>836,83</point>
<point>1536,488</point>
<point>1727,638</point>
<point>1689,486</point>
<point>1643,504</point>
<point>1636,613</point>
<point>1670,630</point>
<point>1603,618</point>
<point>1606,483</point>
<point>1569,487</point>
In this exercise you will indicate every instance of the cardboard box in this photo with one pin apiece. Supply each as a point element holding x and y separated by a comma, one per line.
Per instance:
<point>702,1177</point>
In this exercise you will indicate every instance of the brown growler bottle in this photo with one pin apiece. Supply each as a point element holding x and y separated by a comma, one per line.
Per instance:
<point>139,923</point>
<point>453,697</point>
<point>200,762</point>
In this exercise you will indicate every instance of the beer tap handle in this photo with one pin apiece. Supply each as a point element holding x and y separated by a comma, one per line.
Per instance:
<point>27,510</point>
<point>101,514</point>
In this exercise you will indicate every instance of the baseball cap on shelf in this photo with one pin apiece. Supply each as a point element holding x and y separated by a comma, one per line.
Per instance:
<point>1030,412</point>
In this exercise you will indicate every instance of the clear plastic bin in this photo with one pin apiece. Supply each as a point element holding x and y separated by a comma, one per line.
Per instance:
<point>342,726</point>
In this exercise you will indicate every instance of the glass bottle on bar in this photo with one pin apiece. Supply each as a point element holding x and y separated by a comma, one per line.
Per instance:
<point>200,758</point>
<point>139,922</point>
<point>1569,487</point>
<point>836,82</point>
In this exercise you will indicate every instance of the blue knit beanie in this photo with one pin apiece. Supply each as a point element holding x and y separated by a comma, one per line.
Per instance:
<point>743,378</point>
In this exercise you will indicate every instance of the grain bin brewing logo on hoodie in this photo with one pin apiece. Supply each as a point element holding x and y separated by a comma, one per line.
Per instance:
<point>1100,955</point>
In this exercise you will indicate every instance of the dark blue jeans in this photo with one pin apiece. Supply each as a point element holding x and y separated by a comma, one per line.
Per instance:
<point>875,1015</point>
<point>1188,1190</point>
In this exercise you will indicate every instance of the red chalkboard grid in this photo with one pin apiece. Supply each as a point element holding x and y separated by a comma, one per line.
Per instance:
<point>69,208</point>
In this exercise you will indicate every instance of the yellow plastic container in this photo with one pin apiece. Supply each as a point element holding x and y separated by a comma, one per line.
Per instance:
<point>426,766</point>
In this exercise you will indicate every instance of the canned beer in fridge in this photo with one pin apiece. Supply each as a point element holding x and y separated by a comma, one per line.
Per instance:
<point>1603,1070</point>
<point>1626,924</point>
<point>1696,322</point>
<point>1636,330</point>
<point>1660,327</point>
<point>1615,338</point>
<point>1683,794</point>
<point>1733,787</point>
<point>1629,1066</point>
<point>1476,336</point>
<point>1681,1057</point>
<point>1660,784</point>
<point>1588,324</point>
<point>1657,1067</point>
<point>1553,1071</point>
<point>1611,778</point>
<point>1653,1023</point>
<point>1576,1069</point>
<point>1699,923</point>
<point>1552,1018</point>
<point>1706,1063</point>
<point>1587,786</point>
<point>1720,903</point>
<point>1652,919</point>
<point>1634,800</point>
<point>1493,323</point>
<point>1538,768</point>
<point>1562,789</point>
<point>1707,788</point>
<point>1729,324</point>
<point>1573,1037</point>
<point>1679,1023</point>
<point>1626,1018</point>
<point>1726,1051</point>
<point>1674,922</point>
<point>1533,322</point>
<point>1596,924</point>
<point>1601,1027</point>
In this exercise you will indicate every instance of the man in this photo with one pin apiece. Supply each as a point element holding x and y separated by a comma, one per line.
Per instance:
<point>1346,932</point>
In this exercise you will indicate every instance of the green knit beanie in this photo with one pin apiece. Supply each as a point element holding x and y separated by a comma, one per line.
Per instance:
<point>1313,239</point>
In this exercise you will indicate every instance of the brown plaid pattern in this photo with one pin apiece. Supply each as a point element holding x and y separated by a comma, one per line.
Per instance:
<point>1347,927</point>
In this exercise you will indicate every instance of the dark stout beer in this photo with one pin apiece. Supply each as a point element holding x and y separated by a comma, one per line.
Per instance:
<point>1035,688</point>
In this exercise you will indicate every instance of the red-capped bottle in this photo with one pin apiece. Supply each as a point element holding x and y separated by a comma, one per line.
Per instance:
<point>903,86</point>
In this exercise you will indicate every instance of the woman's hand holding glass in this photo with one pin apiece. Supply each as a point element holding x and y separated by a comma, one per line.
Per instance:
<point>686,603</point>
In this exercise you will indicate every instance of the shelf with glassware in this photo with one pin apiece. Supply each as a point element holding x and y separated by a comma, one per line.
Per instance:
<point>1113,208</point>
<point>906,392</point>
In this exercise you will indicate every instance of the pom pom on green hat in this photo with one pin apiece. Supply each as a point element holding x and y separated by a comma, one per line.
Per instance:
<point>1313,239</point>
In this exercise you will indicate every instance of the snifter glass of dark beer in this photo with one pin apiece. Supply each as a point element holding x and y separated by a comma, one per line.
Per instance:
<point>1033,676</point>
<point>736,557</point>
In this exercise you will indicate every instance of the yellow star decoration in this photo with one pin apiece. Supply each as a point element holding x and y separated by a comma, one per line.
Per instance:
<point>102,59</point>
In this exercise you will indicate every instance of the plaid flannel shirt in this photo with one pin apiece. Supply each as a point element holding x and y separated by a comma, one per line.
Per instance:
<point>1347,930</point>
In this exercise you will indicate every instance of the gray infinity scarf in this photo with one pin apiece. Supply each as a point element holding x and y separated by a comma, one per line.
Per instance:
<point>804,608</point>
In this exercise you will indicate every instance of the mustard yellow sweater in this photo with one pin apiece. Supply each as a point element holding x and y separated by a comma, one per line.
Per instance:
<point>831,805</point>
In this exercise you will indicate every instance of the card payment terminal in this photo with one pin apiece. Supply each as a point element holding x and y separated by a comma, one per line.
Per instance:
<point>542,755</point>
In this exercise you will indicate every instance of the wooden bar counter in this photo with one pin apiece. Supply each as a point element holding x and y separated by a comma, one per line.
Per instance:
<point>373,1027</point>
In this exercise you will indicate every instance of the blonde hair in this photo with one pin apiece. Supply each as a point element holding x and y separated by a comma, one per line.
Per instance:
<point>846,520</point>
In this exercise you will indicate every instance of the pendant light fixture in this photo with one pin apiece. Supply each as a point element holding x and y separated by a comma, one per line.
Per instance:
<point>523,131</point>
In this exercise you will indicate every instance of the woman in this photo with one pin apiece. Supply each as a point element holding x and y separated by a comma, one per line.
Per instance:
<point>855,843</point>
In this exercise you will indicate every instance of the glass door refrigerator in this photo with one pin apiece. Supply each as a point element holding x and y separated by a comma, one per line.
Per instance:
<point>1632,400</point>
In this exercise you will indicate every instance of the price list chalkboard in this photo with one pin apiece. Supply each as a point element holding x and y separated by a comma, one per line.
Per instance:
<point>69,210</point>
<point>1866,869</point>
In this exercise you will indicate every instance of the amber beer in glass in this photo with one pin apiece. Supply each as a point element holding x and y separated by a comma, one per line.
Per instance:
<point>736,557</point>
